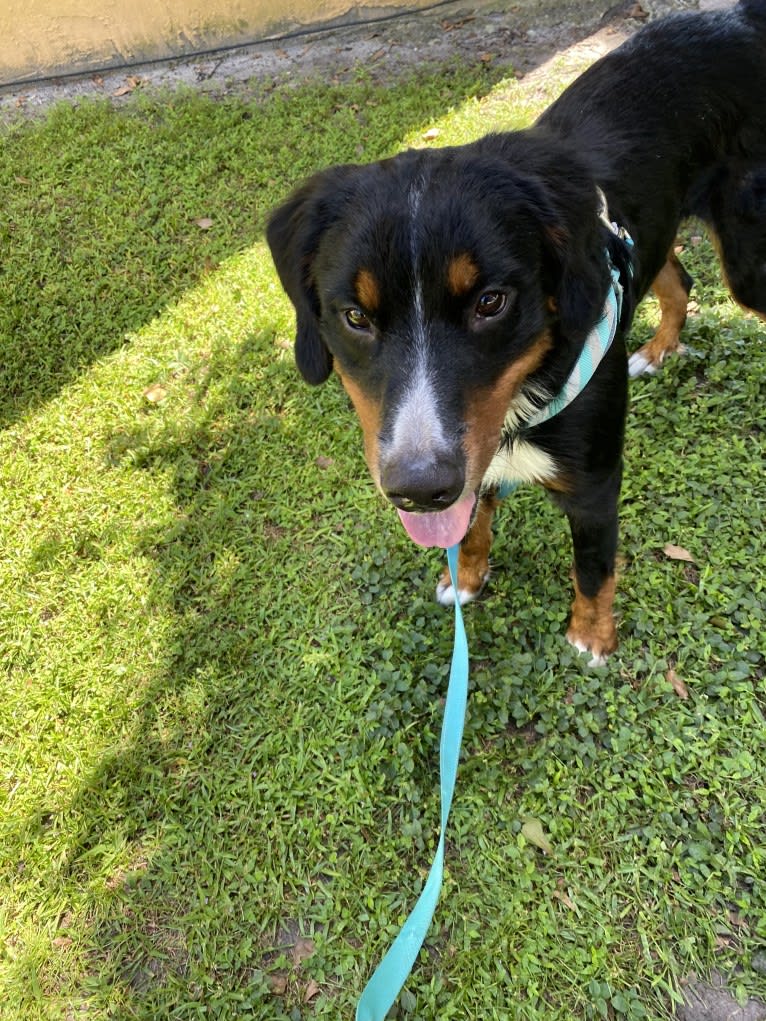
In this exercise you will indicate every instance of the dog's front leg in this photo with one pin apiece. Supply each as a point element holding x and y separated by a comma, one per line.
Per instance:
<point>473,562</point>
<point>594,537</point>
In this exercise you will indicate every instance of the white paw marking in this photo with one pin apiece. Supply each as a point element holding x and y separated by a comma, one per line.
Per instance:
<point>445,593</point>
<point>581,647</point>
<point>639,365</point>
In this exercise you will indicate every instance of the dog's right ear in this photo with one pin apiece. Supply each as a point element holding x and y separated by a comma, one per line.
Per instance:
<point>294,233</point>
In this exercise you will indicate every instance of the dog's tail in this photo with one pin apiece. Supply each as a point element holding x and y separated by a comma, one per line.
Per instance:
<point>755,10</point>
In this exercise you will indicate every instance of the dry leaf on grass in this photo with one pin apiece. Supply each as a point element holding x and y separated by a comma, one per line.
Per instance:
<point>302,950</point>
<point>677,684</point>
<point>533,831</point>
<point>678,553</point>
<point>155,393</point>
<point>277,984</point>
<point>561,895</point>
<point>311,990</point>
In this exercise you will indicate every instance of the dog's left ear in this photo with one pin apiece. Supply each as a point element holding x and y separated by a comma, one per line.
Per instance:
<point>294,233</point>
<point>580,271</point>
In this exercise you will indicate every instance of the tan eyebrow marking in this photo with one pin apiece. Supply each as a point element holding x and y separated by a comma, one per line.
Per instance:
<point>367,290</point>
<point>462,274</point>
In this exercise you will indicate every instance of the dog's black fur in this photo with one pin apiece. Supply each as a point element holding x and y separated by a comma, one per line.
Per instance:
<point>452,289</point>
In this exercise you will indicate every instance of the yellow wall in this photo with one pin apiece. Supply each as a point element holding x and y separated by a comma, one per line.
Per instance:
<point>47,37</point>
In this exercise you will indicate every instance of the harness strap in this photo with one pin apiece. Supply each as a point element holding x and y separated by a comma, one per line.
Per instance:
<point>598,342</point>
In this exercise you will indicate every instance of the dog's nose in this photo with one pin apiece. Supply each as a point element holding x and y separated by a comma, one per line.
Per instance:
<point>431,485</point>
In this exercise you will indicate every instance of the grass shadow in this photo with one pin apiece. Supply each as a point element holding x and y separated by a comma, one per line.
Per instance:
<point>110,215</point>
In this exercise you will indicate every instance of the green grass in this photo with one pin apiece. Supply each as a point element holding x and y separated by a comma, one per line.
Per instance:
<point>222,663</point>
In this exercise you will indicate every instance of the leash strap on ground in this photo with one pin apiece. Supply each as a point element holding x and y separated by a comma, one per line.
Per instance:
<point>392,972</point>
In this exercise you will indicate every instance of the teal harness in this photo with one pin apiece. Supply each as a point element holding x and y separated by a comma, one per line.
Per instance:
<point>392,972</point>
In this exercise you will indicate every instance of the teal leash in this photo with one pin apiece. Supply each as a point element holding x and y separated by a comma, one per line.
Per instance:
<point>392,972</point>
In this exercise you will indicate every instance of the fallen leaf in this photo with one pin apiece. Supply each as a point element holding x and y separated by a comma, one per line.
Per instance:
<point>62,942</point>
<point>155,393</point>
<point>565,899</point>
<point>532,830</point>
<point>277,984</point>
<point>449,26</point>
<point>311,990</point>
<point>678,553</point>
<point>677,684</point>
<point>324,462</point>
<point>302,950</point>
<point>129,86</point>
<point>486,58</point>
<point>204,223</point>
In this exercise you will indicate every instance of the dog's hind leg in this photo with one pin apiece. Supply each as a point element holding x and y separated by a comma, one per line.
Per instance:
<point>739,233</point>
<point>671,286</point>
<point>473,562</point>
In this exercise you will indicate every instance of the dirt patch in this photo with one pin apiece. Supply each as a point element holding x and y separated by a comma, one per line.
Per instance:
<point>520,35</point>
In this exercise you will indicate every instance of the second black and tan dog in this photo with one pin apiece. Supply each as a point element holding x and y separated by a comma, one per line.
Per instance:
<point>453,291</point>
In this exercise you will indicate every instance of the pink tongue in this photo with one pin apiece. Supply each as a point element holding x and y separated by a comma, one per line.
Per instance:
<point>444,528</point>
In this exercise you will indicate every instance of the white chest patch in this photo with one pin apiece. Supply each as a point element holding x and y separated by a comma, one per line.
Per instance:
<point>521,462</point>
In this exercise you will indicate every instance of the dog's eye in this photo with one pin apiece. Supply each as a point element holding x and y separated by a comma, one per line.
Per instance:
<point>491,304</point>
<point>356,319</point>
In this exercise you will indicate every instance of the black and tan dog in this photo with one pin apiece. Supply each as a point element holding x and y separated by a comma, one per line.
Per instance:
<point>452,291</point>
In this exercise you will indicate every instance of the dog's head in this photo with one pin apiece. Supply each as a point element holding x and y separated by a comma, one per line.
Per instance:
<point>438,285</point>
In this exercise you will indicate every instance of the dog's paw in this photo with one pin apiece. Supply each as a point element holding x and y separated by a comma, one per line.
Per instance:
<point>595,660</point>
<point>466,593</point>
<point>639,364</point>
<point>600,646</point>
<point>648,360</point>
